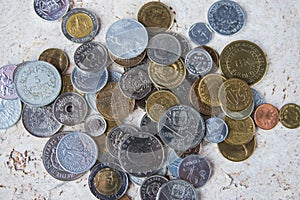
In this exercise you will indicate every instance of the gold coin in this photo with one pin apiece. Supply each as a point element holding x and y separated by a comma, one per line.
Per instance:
<point>235,95</point>
<point>289,115</point>
<point>128,62</point>
<point>79,25</point>
<point>108,181</point>
<point>67,84</point>
<point>239,131</point>
<point>158,102</point>
<point>209,87</point>
<point>167,76</point>
<point>244,60</point>
<point>239,115</point>
<point>57,57</point>
<point>237,153</point>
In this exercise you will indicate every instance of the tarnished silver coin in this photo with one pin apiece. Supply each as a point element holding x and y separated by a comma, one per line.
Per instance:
<point>40,121</point>
<point>89,82</point>
<point>150,187</point>
<point>181,127</point>
<point>91,57</point>
<point>126,38</point>
<point>200,34</point>
<point>226,17</point>
<point>37,83</point>
<point>141,154</point>
<point>184,43</point>
<point>10,112</point>
<point>50,160</point>
<point>216,130</point>
<point>76,152</point>
<point>91,101</point>
<point>177,189</point>
<point>164,49</point>
<point>51,10</point>
<point>95,125</point>
<point>70,108</point>
<point>7,86</point>
<point>114,76</point>
<point>148,125</point>
<point>198,62</point>
<point>195,169</point>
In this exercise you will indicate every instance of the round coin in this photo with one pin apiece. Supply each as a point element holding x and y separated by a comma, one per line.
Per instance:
<point>150,187</point>
<point>114,76</point>
<point>10,112</point>
<point>214,55</point>
<point>184,43</point>
<point>57,57</point>
<point>131,62</point>
<point>216,130</point>
<point>290,115</point>
<point>266,116</point>
<point>51,10</point>
<point>95,125</point>
<point>7,87</point>
<point>240,115</point>
<point>198,62</point>
<point>200,34</point>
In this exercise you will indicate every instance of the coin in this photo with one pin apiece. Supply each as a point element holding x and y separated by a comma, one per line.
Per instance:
<point>290,115</point>
<point>95,125</point>
<point>164,49</point>
<point>67,85</point>
<point>7,87</point>
<point>216,130</point>
<point>126,38</point>
<point>181,127</point>
<point>150,187</point>
<point>125,197</point>
<point>80,25</point>
<point>50,162</point>
<point>91,57</point>
<point>266,116</point>
<point>240,115</point>
<point>198,62</point>
<point>244,60</point>
<point>57,57</point>
<point>131,62</point>
<point>10,112</point>
<point>199,33</point>
<point>51,10</point>
<point>141,103</point>
<point>226,17</point>
<point>158,102</point>
<point>70,108</point>
<point>173,162</point>
<point>40,121</point>
<point>184,43</point>
<point>214,55</point>
<point>237,153</point>
<point>148,125</point>
<point>37,83</point>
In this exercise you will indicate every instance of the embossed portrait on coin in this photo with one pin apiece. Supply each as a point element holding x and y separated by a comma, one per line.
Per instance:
<point>108,181</point>
<point>155,17</point>
<point>179,118</point>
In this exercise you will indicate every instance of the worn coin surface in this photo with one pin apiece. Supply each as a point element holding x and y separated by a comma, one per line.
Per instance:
<point>290,115</point>
<point>10,112</point>
<point>7,86</point>
<point>51,10</point>
<point>150,187</point>
<point>57,57</point>
<point>67,85</point>
<point>266,116</point>
<point>198,62</point>
<point>95,125</point>
<point>216,130</point>
<point>127,63</point>
<point>91,101</point>
<point>184,43</point>
<point>200,34</point>
<point>148,125</point>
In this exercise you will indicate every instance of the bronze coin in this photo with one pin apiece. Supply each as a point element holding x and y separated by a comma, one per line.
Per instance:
<point>290,115</point>
<point>57,57</point>
<point>266,116</point>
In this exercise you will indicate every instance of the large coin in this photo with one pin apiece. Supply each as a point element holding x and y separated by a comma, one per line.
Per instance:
<point>198,62</point>
<point>290,115</point>
<point>7,86</point>
<point>200,34</point>
<point>10,112</point>
<point>51,10</point>
<point>57,57</point>
<point>150,187</point>
<point>266,116</point>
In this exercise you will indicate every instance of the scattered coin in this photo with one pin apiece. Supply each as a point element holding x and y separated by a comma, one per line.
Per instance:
<point>150,187</point>
<point>290,115</point>
<point>10,112</point>
<point>148,125</point>
<point>266,116</point>
<point>57,57</point>
<point>127,63</point>
<point>216,130</point>
<point>67,85</point>
<point>198,62</point>
<point>184,43</point>
<point>200,33</point>
<point>214,55</point>
<point>91,101</point>
<point>141,103</point>
<point>51,10</point>
<point>95,125</point>
<point>7,87</point>
<point>240,115</point>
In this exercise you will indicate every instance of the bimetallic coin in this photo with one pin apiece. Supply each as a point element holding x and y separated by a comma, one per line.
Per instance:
<point>148,125</point>
<point>95,125</point>
<point>10,112</point>
<point>150,187</point>
<point>198,62</point>
<point>40,121</point>
<point>57,57</point>
<point>80,25</point>
<point>181,127</point>
<point>7,86</point>
<point>184,43</point>
<point>200,34</point>
<point>114,76</point>
<point>266,116</point>
<point>67,85</point>
<point>226,17</point>
<point>76,152</point>
<point>51,10</point>
<point>131,62</point>
<point>70,108</point>
<point>216,130</point>
<point>290,115</point>
<point>37,83</point>
<point>164,49</point>
<point>91,101</point>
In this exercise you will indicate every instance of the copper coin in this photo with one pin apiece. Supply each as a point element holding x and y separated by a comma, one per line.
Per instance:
<point>266,116</point>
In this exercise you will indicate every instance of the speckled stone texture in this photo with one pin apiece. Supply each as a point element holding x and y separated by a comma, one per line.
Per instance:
<point>272,172</point>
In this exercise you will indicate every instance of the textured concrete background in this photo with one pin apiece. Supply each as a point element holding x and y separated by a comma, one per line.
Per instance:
<point>273,170</point>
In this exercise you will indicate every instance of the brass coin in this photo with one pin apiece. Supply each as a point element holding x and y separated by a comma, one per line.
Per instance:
<point>241,114</point>
<point>108,181</point>
<point>79,25</point>
<point>67,84</point>
<point>158,102</point>
<point>57,57</point>
<point>128,62</point>
<point>239,131</point>
<point>289,115</point>
<point>237,153</point>
<point>235,95</point>
<point>209,87</point>
<point>167,76</point>
<point>244,60</point>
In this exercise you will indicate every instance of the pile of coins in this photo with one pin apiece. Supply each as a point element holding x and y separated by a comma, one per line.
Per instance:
<point>184,100</point>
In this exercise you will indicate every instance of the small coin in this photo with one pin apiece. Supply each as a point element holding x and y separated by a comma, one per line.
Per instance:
<point>148,125</point>
<point>266,116</point>
<point>184,43</point>
<point>95,125</point>
<point>127,63</point>
<point>290,115</point>
<point>57,57</point>
<point>198,62</point>
<point>67,85</point>
<point>10,112</point>
<point>80,25</point>
<point>150,187</point>
<point>51,10</point>
<point>91,101</point>
<point>216,130</point>
<point>114,76</point>
<point>194,150</point>
<point>200,34</point>
<point>7,86</point>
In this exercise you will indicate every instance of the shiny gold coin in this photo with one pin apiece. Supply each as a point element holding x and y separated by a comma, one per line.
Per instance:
<point>289,115</point>
<point>128,62</point>
<point>167,76</point>
<point>235,95</point>
<point>57,57</point>
<point>237,153</point>
<point>108,181</point>
<point>158,102</point>
<point>239,131</point>
<point>239,115</point>
<point>79,25</point>
<point>244,60</point>
<point>209,87</point>
<point>67,84</point>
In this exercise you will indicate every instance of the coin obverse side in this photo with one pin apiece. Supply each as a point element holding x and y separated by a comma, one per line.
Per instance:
<point>150,187</point>
<point>51,10</point>
<point>198,62</point>
<point>10,112</point>
<point>266,116</point>
<point>95,125</point>
<point>290,115</point>
<point>200,34</point>
<point>57,57</point>
<point>7,87</point>
<point>216,130</point>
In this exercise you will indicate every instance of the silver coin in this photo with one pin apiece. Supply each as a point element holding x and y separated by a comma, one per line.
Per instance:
<point>50,160</point>
<point>51,10</point>
<point>141,154</point>
<point>70,108</point>
<point>91,101</point>
<point>10,112</point>
<point>148,125</point>
<point>95,125</point>
<point>40,121</point>
<point>226,17</point>
<point>181,127</point>
<point>7,86</point>
<point>91,57</point>
<point>164,49</point>
<point>173,163</point>
<point>150,187</point>
<point>37,83</point>
<point>216,130</point>
<point>198,62</point>
<point>89,82</point>
<point>126,38</point>
<point>184,43</point>
<point>200,34</point>
<point>114,76</point>
<point>177,189</point>
<point>257,98</point>
<point>77,152</point>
